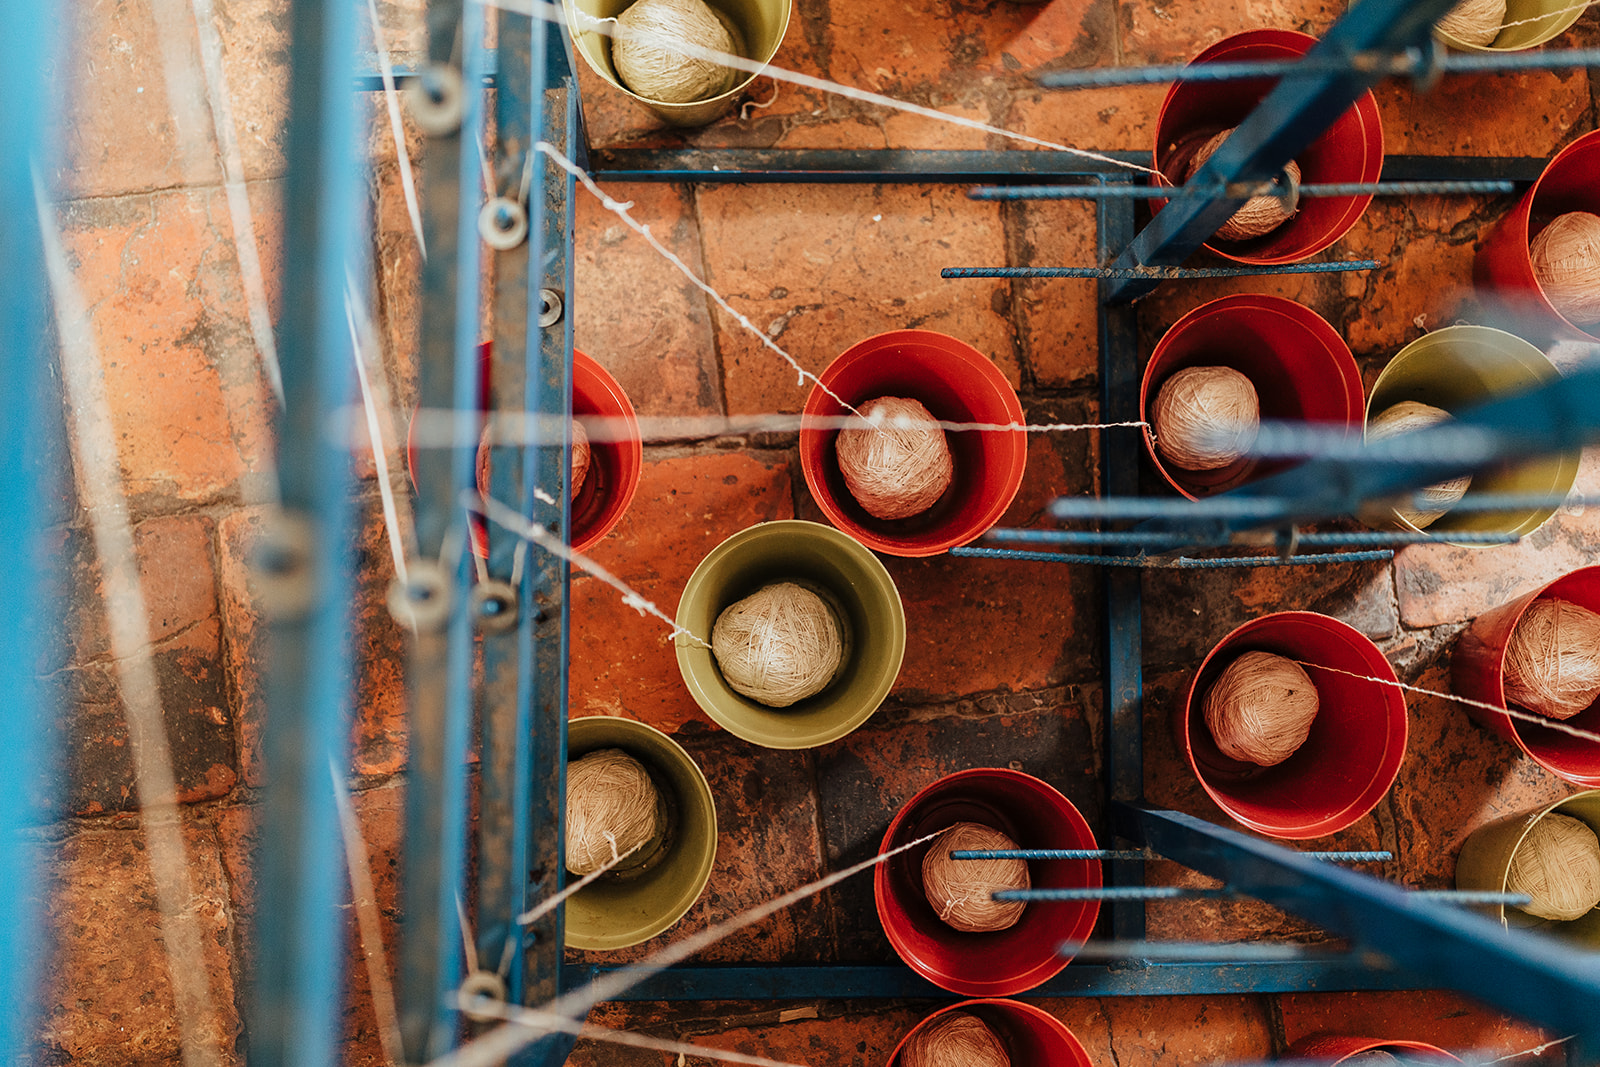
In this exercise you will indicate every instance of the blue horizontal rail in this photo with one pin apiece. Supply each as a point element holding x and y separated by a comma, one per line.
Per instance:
<point>1131,854</point>
<point>1271,188</point>
<point>1179,563</point>
<point>1160,273</point>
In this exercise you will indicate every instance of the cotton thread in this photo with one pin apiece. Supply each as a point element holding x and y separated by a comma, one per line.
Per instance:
<point>954,1039</point>
<point>960,890</point>
<point>1552,663</point>
<point>613,809</point>
<point>779,645</point>
<point>1558,866</point>
<point>900,465</point>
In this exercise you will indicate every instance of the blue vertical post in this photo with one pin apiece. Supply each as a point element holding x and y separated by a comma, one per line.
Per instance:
<point>440,679</point>
<point>1120,449</point>
<point>304,569</point>
<point>26,742</point>
<point>1293,114</point>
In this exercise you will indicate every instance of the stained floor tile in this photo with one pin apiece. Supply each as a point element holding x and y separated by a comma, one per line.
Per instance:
<point>1442,1019</point>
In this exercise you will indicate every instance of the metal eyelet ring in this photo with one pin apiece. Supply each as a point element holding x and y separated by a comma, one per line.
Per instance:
<point>482,986</point>
<point>281,567</point>
<point>494,607</point>
<point>550,308</point>
<point>503,224</point>
<point>422,601</point>
<point>436,100</point>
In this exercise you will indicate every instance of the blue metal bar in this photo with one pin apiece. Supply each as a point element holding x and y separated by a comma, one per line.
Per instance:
<point>1150,539</point>
<point>1266,188</point>
<point>1175,563</point>
<point>1293,114</point>
<point>1470,896</point>
<point>1123,979</point>
<point>1130,854</point>
<point>300,882</point>
<point>1117,892</point>
<point>832,166</point>
<point>1406,62</point>
<point>30,430</point>
<point>1545,981</point>
<point>1160,273</point>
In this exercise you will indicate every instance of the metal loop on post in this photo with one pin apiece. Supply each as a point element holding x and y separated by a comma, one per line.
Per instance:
<point>422,600</point>
<point>436,100</point>
<point>550,308</point>
<point>1427,65</point>
<point>281,567</point>
<point>480,986</point>
<point>494,607</point>
<point>503,224</point>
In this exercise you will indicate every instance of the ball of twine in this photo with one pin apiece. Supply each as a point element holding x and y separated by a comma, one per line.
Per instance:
<point>959,889</point>
<point>1205,417</point>
<point>1404,417</point>
<point>1566,261</point>
<point>954,1039</point>
<point>1475,22</point>
<point>1558,865</point>
<point>778,645</point>
<point>612,809</point>
<point>580,457</point>
<point>1553,659</point>
<point>647,63</point>
<point>1259,215</point>
<point>900,468</point>
<point>1374,1058</point>
<point>1260,708</point>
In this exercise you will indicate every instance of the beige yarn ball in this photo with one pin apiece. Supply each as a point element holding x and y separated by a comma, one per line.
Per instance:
<point>1205,418</point>
<point>1261,708</point>
<point>1553,659</point>
<point>1566,261</point>
<point>959,889</point>
<point>778,645</point>
<point>1558,865</point>
<point>1404,417</point>
<point>1260,215</point>
<point>1475,21</point>
<point>954,1039</point>
<point>646,62</point>
<point>613,808</point>
<point>900,468</point>
<point>580,457</point>
<point>1373,1058</point>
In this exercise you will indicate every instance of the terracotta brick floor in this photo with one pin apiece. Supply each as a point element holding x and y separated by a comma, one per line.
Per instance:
<point>1003,661</point>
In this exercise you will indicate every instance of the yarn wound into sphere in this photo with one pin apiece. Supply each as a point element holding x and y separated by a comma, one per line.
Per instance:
<point>1260,708</point>
<point>1205,418</point>
<point>647,63</point>
<point>778,645</point>
<point>1475,22</point>
<point>580,457</point>
<point>1553,659</point>
<point>900,468</point>
<point>959,889</point>
<point>1566,261</point>
<point>1374,1058</point>
<point>1404,417</point>
<point>954,1039</point>
<point>1259,215</point>
<point>1558,865</point>
<point>612,808</point>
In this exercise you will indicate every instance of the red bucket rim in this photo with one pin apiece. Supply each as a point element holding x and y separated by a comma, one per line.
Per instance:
<point>996,462</point>
<point>596,392</point>
<point>1338,1048</point>
<point>1069,1042</point>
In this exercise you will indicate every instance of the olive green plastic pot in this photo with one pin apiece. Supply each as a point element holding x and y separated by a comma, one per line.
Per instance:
<point>1554,16</point>
<point>623,908</point>
<point>1460,367</point>
<point>855,586</point>
<point>1485,863</point>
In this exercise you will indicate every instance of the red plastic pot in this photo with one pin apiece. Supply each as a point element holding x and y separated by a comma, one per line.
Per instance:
<point>1356,744</point>
<point>1032,1036</point>
<point>1338,1049</point>
<point>1477,670</point>
<point>1301,368</point>
<point>1004,962</point>
<point>1351,150</point>
<point>956,383</point>
<point>1570,182</point>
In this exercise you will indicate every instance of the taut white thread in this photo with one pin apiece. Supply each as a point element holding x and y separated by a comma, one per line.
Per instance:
<point>545,907</point>
<point>553,13</point>
<point>1534,1051</point>
<point>391,97</point>
<point>380,448</point>
<point>365,899</point>
<point>1537,720</point>
<point>498,1045</point>
<point>1541,18</point>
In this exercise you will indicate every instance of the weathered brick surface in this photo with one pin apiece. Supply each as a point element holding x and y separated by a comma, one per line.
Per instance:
<point>107,994</point>
<point>1171,33</point>
<point>1442,1019</point>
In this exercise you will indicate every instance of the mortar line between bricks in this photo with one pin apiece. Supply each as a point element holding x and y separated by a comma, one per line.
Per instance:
<point>717,356</point>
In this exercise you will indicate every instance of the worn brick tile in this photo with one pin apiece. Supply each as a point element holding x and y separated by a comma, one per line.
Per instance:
<point>865,778</point>
<point>1145,1031</point>
<point>849,1034</point>
<point>106,994</point>
<point>623,663</point>
<point>1443,1019</point>
<point>1323,293</point>
<point>255,45</point>
<point>822,267</point>
<point>1059,318</point>
<point>767,844</point>
<point>1439,584</point>
<point>1120,118</point>
<point>1467,114</point>
<point>190,408</point>
<point>237,535</point>
<point>1170,33</point>
<point>1457,776</point>
<point>662,352</point>
<point>99,773</point>
<point>904,130</point>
